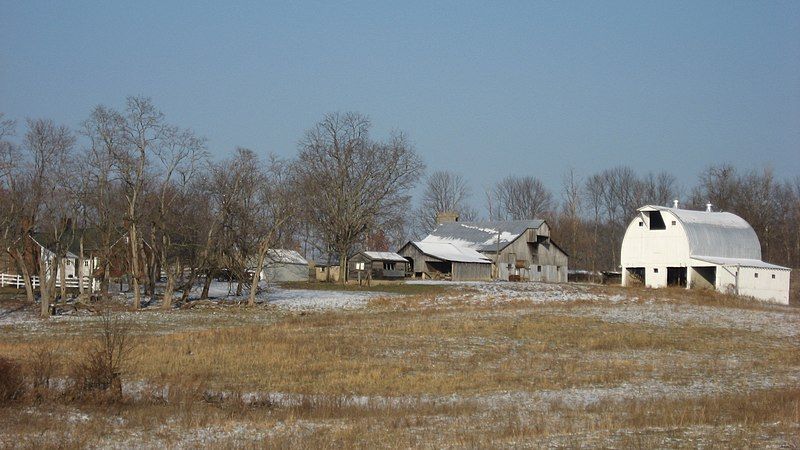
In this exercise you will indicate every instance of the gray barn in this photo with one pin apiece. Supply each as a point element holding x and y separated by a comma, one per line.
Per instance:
<point>446,260</point>
<point>284,265</point>
<point>519,249</point>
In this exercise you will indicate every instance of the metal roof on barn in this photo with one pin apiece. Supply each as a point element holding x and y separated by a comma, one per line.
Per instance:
<point>484,236</point>
<point>715,234</point>
<point>384,256</point>
<point>283,256</point>
<point>447,251</point>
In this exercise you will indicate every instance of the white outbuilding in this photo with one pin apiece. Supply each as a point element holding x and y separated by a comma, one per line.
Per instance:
<point>699,249</point>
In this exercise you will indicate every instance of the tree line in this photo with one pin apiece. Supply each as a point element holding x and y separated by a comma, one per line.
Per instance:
<point>152,201</point>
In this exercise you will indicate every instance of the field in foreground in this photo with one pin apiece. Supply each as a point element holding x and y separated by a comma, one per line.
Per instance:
<point>469,365</point>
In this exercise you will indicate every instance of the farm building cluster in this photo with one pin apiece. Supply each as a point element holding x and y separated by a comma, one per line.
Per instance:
<point>662,246</point>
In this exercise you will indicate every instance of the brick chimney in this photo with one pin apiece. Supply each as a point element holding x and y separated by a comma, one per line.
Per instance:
<point>446,216</point>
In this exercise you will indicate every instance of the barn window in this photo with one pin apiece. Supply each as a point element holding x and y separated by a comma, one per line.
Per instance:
<point>756,274</point>
<point>641,224</point>
<point>773,276</point>
<point>388,266</point>
<point>86,263</point>
<point>655,269</point>
<point>538,268</point>
<point>674,223</point>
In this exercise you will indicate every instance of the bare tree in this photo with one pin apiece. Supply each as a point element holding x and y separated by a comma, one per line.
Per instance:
<point>142,131</point>
<point>179,157</point>
<point>49,147</point>
<point>521,198</point>
<point>350,180</point>
<point>102,193</point>
<point>276,205</point>
<point>444,192</point>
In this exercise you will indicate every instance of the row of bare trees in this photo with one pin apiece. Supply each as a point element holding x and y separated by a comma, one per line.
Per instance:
<point>153,204</point>
<point>151,201</point>
<point>589,215</point>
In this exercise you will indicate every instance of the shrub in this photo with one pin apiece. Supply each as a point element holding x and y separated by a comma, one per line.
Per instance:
<point>12,384</point>
<point>43,365</point>
<point>105,360</point>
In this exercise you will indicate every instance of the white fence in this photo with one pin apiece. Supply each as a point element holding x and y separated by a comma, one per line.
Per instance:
<point>17,281</point>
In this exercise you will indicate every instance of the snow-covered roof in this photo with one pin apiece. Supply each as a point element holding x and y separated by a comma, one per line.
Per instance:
<point>743,262</point>
<point>283,256</point>
<point>718,234</point>
<point>384,256</point>
<point>450,252</point>
<point>481,236</point>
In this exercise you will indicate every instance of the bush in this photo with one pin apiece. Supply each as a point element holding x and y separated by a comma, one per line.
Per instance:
<point>105,360</point>
<point>43,366</point>
<point>12,384</point>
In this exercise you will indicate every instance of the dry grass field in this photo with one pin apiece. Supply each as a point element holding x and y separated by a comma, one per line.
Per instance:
<point>433,366</point>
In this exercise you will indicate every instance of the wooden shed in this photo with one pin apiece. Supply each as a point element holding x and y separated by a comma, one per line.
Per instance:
<point>378,266</point>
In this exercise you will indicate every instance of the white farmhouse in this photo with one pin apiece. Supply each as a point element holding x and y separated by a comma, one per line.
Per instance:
<point>699,249</point>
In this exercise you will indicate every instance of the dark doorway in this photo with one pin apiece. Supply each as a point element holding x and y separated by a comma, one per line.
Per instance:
<point>635,276</point>
<point>704,277</point>
<point>443,267</point>
<point>676,276</point>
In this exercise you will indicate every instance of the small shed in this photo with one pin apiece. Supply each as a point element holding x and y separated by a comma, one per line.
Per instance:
<point>327,272</point>
<point>447,261</point>
<point>378,266</point>
<point>284,265</point>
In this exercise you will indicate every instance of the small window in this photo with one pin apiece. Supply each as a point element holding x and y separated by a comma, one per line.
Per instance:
<point>86,263</point>
<point>674,223</point>
<point>641,224</point>
<point>388,266</point>
<point>68,262</point>
<point>655,270</point>
<point>756,274</point>
<point>773,276</point>
<point>538,268</point>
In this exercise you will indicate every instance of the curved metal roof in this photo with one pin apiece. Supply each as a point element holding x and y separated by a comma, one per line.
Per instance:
<point>720,234</point>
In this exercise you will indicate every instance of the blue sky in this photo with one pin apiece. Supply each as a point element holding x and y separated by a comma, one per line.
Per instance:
<point>486,89</point>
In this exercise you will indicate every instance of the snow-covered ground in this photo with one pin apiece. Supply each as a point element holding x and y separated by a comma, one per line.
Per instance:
<point>294,299</point>
<point>732,373</point>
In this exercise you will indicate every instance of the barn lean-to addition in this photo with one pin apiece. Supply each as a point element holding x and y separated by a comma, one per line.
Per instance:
<point>446,260</point>
<point>699,249</point>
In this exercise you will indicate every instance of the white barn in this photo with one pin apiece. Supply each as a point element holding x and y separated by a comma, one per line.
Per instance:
<point>699,249</point>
